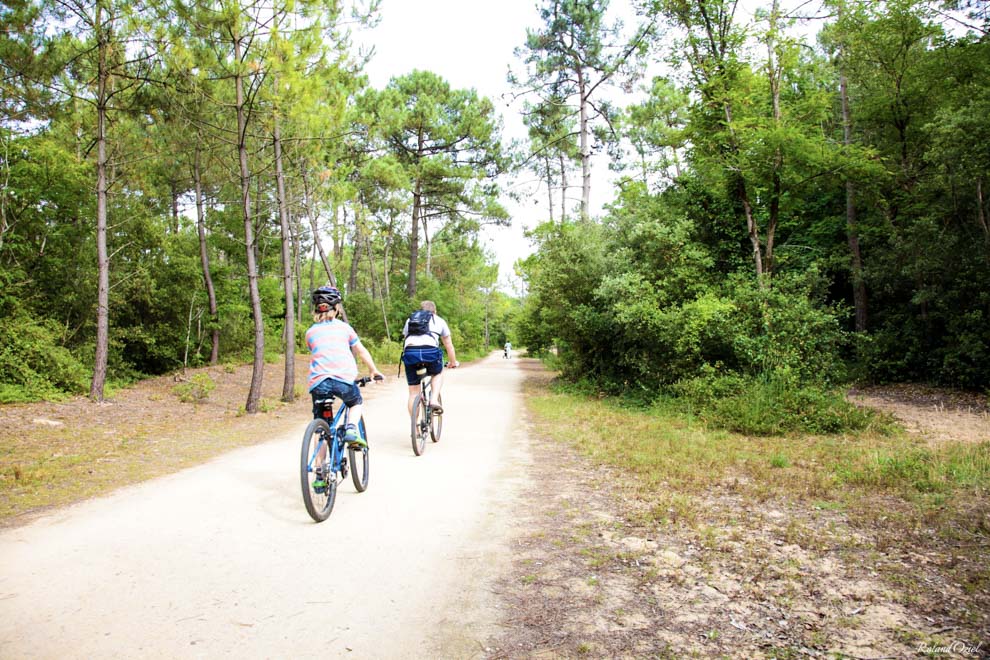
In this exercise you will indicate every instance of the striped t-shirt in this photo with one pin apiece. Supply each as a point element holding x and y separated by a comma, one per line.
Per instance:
<point>330,345</point>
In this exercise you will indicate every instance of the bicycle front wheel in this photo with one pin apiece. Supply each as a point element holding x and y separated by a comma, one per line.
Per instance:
<point>319,485</point>
<point>358,460</point>
<point>436,422</point>
<point>419,423</point>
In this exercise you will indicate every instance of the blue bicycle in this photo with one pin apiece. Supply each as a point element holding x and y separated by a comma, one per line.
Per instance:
<point>323,463</point>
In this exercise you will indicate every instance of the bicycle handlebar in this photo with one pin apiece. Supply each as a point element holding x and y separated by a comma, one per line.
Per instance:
<point>361,382</point>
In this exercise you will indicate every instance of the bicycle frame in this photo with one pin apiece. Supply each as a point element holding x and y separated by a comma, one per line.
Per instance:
<point>426,387</point>
<point>335,443</point>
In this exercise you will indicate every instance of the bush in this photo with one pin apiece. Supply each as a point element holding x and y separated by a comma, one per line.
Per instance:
<point>383,352</point>
<point>772,405</point>
<point>196,390</point>
<point>33,363</point>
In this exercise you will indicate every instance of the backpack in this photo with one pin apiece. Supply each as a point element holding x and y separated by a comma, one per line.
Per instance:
<point>419,323</point>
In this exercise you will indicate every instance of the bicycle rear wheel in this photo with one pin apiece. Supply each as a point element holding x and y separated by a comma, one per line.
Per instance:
<point>358,460</point>
<point>419,423</point>
<point>436,422</point>
<point>319,485</point>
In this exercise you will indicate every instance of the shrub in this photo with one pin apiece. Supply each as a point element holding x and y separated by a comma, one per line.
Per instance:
<point>196,390</point>
<point>383,352</point>
<point>772,405</point>
<point>33,363</point>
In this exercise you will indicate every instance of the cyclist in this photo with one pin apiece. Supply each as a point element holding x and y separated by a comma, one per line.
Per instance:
<point>333,345</point>
<point>423,332</point>
<point>507,348</point>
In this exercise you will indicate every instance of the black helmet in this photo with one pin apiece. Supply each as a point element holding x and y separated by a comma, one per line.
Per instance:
<point>326,298</point>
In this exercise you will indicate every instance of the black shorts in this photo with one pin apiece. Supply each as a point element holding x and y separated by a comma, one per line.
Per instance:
<point>429,356</point>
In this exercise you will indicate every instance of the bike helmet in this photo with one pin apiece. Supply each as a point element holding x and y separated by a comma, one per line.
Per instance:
<point>326,298</point>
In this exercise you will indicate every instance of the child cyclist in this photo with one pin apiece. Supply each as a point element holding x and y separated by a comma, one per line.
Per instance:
<point>333,344</point>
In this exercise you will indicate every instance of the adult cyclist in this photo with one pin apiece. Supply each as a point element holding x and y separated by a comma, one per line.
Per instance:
<point>424,331</point>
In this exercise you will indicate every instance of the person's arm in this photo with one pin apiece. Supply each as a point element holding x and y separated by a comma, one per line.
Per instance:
<point>451,354</point>
<point>360,351</point>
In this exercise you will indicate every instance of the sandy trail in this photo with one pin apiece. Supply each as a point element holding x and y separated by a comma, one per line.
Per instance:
<point>222,559</point>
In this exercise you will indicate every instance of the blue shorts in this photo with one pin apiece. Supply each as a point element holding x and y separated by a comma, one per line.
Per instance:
<point>349,393</point>
<point>429,356</point>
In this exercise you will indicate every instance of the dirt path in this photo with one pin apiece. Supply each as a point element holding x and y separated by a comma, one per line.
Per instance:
<point>221,560</point>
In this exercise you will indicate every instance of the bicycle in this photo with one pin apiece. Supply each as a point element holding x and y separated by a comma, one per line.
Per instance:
<point>323,464</point>
<point>423,421</point>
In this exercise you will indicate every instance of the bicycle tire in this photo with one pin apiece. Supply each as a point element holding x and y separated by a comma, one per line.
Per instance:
<point>436,422</point>
<point>418,424</point>
<point>357,458</point>
<point>319,502</point>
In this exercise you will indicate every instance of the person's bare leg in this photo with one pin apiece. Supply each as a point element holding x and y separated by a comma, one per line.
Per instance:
<point>413,391</point>
<point>355,414</point>
<point>437,384</point>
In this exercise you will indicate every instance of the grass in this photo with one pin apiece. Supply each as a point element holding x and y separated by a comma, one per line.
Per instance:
<point>871,495</point>
<point>665,448</point>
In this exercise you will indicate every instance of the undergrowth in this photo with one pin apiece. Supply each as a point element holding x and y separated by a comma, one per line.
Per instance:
<point>682,448</point>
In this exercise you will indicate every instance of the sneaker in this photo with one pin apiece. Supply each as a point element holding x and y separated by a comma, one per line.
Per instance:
<point>436,408</point>
<point>352,438</point>
<point>320,484</point>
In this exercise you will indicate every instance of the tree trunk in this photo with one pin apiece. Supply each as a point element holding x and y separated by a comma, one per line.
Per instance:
<point>317,243</point>
<point>429,250</point>
<point>981,214</point>
<point>338,235</point>
<point>585,147</point>
<point>257,372</point>
<point>563,188</point>
<point>355,258</point>
<point>312,269</point>
<point>387,248</point>
<point>852,233</point>
<point>289,382</point>
<point>175,206</point>
<point>296,228</point>
<point>774,75</point>
<point>102,257</point>
<point>546,163</point>
<point>204,260</point>
<point>414,242</point>
<point>752,229</point>
<point>374,283</point>
<point>5,160</point>
<point>372,275</point>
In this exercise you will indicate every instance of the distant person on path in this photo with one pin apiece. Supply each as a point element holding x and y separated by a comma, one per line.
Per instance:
<point>423,332</point>
<point>333,345</point>
<point>508,350</point>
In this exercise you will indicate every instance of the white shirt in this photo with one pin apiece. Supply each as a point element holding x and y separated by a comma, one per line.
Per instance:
<point>438,328</point>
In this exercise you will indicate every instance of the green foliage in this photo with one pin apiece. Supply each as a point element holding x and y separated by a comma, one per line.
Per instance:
<point>196,390</point>
<point>924,470</point>
<point>34,364</point>
<point>772,405</point>
<point>384,351</point>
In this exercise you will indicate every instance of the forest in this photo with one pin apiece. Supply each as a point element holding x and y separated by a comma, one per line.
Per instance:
<point>799,200</point>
